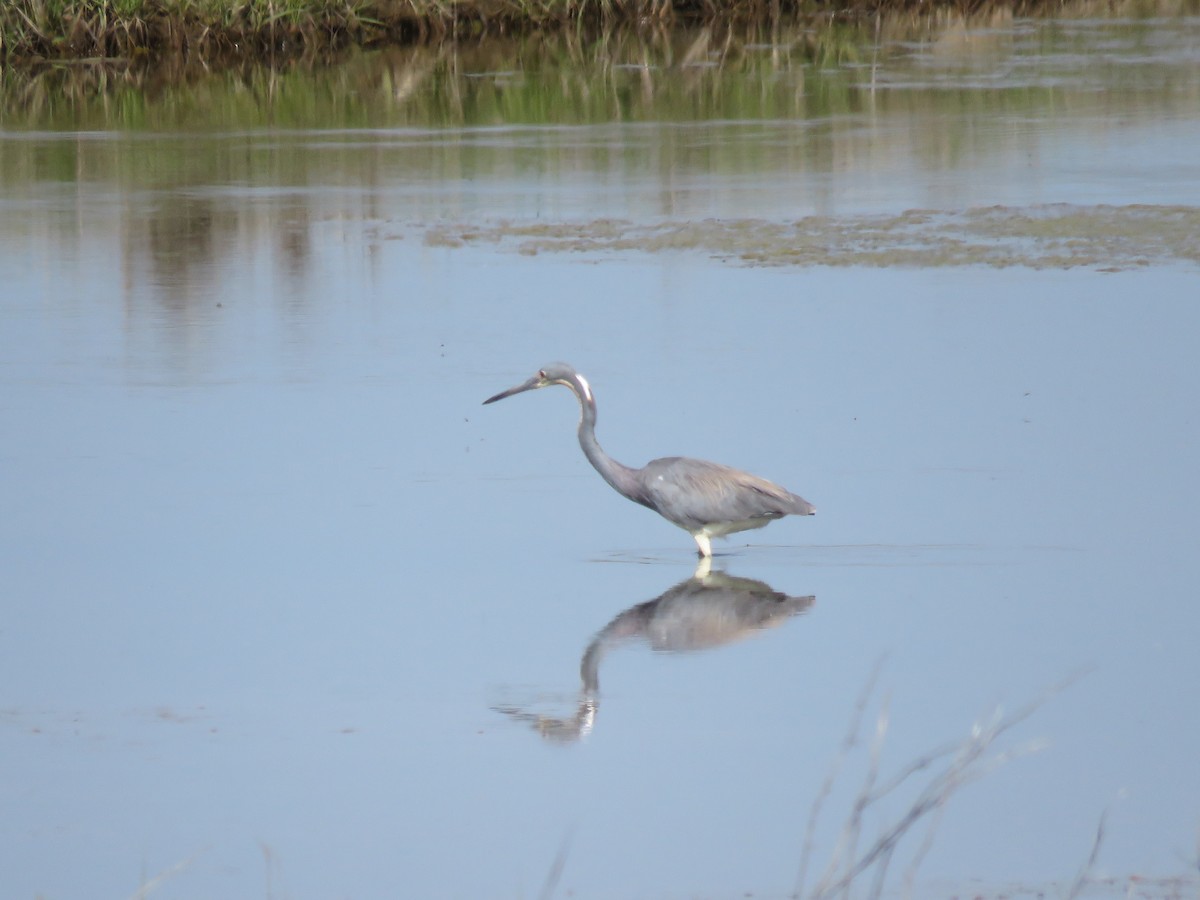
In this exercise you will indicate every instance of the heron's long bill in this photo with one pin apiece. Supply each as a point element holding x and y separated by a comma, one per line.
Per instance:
<point>529,385</point>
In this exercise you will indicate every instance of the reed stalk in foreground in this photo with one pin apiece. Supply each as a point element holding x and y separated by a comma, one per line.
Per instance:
<point>960,762</point>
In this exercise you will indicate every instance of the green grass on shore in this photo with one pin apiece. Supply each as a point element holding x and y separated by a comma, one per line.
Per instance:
<point>128,29</point>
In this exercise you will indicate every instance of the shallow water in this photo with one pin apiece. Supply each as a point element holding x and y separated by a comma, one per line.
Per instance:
<point>288,613</point>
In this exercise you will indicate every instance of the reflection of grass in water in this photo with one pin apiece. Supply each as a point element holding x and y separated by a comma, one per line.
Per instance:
<point>651,74</point>
<point>794,89</point>
<point>789,69</point>
<point>730,101</point>
<point>1047,237</point>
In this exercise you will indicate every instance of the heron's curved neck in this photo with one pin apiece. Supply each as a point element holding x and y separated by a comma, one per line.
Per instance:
<point>619,476</point>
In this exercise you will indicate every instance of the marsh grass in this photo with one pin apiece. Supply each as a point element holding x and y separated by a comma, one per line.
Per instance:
<point>91,30</point>
<point>108,29</point>
<point>568,77</point>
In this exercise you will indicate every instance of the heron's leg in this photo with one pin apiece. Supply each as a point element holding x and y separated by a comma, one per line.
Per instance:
<point>703,542</point>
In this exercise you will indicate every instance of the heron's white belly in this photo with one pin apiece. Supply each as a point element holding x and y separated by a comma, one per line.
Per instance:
<point>720,529</point>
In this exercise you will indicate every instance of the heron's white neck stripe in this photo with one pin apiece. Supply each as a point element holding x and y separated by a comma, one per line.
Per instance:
<point>587,390</point>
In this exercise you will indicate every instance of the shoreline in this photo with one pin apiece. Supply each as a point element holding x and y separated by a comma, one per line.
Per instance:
<point>110,31</point>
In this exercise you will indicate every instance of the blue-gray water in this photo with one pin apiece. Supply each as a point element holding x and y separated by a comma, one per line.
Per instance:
<point>287,612</point>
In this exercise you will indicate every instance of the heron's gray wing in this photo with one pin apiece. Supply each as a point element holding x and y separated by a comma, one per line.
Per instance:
<point>693,493</point>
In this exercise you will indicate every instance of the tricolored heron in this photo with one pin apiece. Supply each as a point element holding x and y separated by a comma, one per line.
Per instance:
<point>705,499</point>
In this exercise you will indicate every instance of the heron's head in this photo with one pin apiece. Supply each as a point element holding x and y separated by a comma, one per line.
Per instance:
<point>554,373</point>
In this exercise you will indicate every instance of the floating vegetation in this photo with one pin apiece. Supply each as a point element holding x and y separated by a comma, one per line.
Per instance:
<point>1056,236</point>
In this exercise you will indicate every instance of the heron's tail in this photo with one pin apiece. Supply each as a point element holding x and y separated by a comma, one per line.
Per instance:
<point>801,507</point>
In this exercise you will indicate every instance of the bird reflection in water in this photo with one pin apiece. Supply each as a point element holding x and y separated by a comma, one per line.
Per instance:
<point>710,609</point>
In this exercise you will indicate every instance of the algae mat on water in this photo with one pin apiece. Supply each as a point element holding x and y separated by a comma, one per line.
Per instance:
<point>1107,238</point>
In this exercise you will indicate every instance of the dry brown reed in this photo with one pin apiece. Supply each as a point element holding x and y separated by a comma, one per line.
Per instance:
<point>128,29</point>
<point>951,767</point>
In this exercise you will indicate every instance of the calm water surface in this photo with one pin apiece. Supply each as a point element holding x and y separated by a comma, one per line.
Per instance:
<point>286,612</point>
